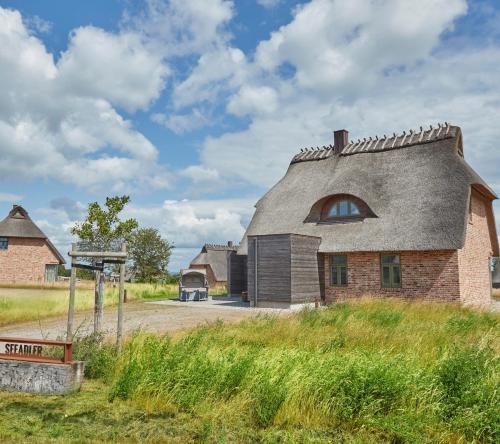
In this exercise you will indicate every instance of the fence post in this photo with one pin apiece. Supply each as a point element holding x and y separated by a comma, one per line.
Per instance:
<point>121,297</point>
<point>68,352</point>
<point>99,301</point>
<point>72,288</point>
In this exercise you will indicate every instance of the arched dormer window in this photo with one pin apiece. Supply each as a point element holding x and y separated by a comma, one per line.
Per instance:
<point>341,208</point>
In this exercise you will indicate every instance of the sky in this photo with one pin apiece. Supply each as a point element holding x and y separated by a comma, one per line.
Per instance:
<point>195,108</point>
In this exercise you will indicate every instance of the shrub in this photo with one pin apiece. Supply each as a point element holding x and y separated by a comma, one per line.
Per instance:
<point>99,357</point>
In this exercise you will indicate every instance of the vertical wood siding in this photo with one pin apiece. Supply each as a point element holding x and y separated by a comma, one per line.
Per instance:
<point>237,273</point>
<point>273,268</point>
<point>305,285</point>
<point>287,268</point>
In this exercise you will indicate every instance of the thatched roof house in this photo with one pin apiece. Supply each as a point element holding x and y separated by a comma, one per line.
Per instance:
<point>213,259</point>
<point>411,195</point>
<point>26,253</point>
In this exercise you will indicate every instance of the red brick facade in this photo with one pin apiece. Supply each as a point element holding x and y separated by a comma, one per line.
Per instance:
<point>480,244</point>
<point>441,275</point>
<point>25,260</point>
<point>431,275</point>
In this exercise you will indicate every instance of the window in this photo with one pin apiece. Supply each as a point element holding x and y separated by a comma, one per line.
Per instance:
<point>343,208</point>
<point>4,243</point>
<point>339,271</point>
<point>390,271</point>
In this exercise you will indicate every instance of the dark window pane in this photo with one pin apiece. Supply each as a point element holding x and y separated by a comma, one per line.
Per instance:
<point>386,276</point>
<point>396,276</point>
<point>339,260</point>
<point>390,259</point>
<point>4,243</point>
<point>343,275</point>
<point>334,277</point>
<point>333,212</point>
<point>344,208</point>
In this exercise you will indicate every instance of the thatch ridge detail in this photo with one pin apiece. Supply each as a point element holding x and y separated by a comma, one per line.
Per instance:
<point>384,143</point>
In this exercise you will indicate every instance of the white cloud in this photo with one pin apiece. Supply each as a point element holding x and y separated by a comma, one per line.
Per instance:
<point>10,197</point>
<point>191,223</point>
<point>199,174</point>
<point>216,71</point>
<point>182,27</point>
<point>182,123</point>
<point>352,41</point>
<point>253,100</point>
<point>371,67</point>
<point>38,24</point>
<point>115,67</point>
<point>58,121</point>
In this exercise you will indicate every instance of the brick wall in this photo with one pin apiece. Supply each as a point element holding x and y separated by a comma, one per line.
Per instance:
<point>475,285</point>
<point>24,260</point>
<point>430,275</point>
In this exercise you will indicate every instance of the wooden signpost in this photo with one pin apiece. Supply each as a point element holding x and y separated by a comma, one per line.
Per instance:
<point>35,350</point>
<point>101,258</point>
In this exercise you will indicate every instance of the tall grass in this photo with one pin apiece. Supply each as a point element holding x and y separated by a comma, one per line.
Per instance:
<point>373,371</point>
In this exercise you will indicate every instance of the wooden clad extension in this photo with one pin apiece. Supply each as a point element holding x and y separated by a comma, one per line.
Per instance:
<point>236,273</point>
<point>283,269</point>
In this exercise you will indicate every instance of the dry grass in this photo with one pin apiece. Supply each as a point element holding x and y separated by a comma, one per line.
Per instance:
<point>19,303</point>
<point>495,294</point>
<point>31,304</point>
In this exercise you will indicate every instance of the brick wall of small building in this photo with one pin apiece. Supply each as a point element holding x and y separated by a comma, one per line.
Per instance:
<point>25,260</point>
<point>475,284</point>
<point>429,275</point>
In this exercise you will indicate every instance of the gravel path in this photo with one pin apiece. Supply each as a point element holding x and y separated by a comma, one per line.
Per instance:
<point>161,316</point>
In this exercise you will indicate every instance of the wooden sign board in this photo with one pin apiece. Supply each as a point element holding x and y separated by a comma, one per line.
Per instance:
<point>34,350</point>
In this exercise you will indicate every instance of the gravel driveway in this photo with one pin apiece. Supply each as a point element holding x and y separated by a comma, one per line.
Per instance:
<point>160,317</point>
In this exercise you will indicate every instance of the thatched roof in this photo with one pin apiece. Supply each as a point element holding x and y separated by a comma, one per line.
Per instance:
<point>18,223</point>
<point>193,271</point>
<point>216,257</point>
<point>417,185</point>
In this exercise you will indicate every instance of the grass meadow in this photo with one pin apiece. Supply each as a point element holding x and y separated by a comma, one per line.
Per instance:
<point>373,371</point>
<point>20,303</point>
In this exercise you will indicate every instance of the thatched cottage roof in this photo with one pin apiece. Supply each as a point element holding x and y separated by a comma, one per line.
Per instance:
<point>216,257</point>
<point>416,184</point>
<point>18,223</point>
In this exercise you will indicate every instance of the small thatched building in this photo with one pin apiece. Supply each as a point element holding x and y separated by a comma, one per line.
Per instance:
<point>401,216</point>
<point>214,259</point>
<point>26,254</point>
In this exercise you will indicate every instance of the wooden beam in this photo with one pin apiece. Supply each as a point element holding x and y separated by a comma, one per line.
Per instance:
<point>113,261</point>
<point>88,267</point>
<point>99,254</point>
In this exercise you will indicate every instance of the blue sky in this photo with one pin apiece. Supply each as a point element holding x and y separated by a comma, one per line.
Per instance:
<point>195,107</point>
